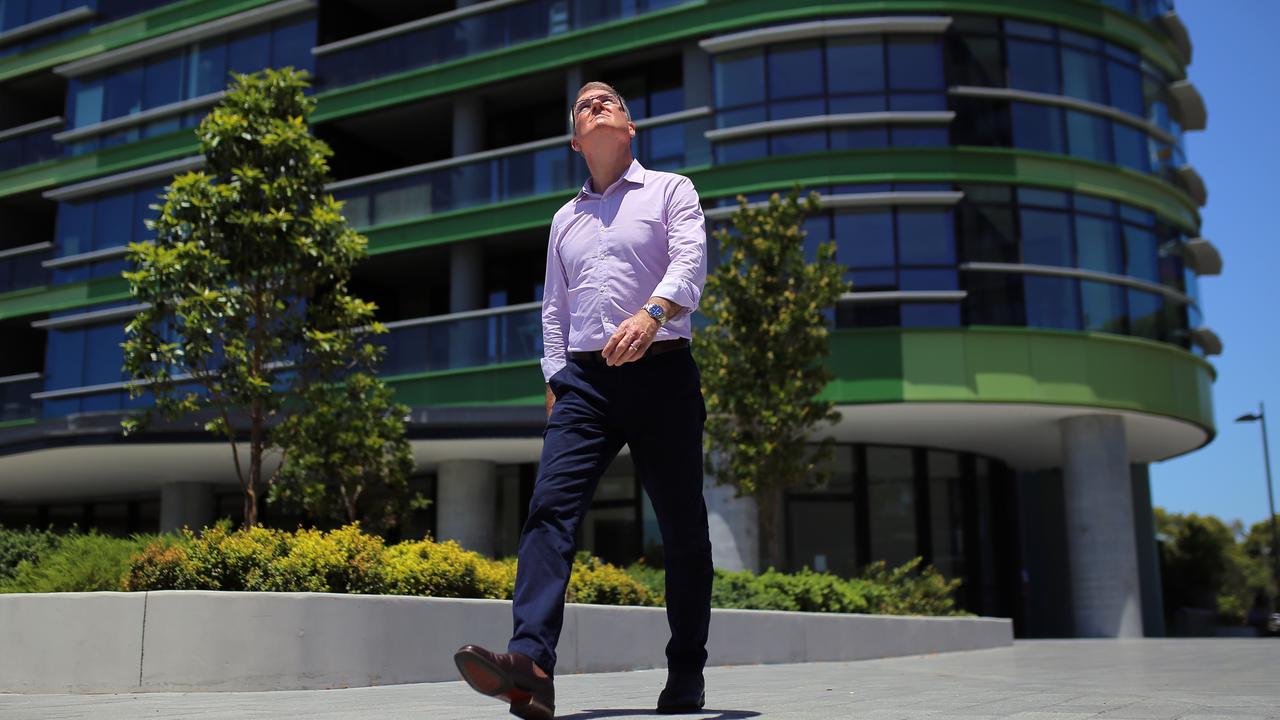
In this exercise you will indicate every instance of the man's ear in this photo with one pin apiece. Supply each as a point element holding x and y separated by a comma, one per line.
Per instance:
<point>573,143</point>
<point>631,128</point>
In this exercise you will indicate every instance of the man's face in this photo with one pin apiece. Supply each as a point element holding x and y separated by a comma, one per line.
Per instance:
<point>598,114</point>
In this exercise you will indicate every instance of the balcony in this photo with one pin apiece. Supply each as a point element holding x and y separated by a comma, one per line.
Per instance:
<point>29,144</point>
<point>465,32</point>
<point>22,267</point>
<point>545,166</point>
<point>469,339</point>
<point>15,397</point>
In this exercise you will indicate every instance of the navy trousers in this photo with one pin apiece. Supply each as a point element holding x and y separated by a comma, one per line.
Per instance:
<point>655,406</point>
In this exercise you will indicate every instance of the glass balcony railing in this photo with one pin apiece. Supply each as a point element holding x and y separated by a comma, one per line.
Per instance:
<point>15,397</point>
<point>464,32</point>
<point>463,340</point>
<point>29,144</point>
<point>22,267</point>
<point>662,143</point>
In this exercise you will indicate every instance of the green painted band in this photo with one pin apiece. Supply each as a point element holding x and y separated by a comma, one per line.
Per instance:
<point>1020,366</point>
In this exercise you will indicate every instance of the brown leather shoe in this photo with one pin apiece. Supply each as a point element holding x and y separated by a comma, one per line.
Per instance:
<point>510,677</point>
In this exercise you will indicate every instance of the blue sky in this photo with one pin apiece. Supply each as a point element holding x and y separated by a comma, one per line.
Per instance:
<point>1236,69</point>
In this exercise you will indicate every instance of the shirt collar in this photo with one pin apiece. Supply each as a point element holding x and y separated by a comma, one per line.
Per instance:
<point>634,174</point>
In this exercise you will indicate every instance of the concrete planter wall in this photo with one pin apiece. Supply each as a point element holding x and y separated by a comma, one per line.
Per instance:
<point>196,640</point>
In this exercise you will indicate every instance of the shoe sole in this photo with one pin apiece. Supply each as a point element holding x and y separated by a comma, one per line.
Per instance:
<point>487,679</point>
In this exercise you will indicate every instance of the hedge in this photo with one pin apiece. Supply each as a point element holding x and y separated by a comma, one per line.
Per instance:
<point>348,560</point>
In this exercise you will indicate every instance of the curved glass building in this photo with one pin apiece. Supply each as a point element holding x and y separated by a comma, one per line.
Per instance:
<point>1005,182</point>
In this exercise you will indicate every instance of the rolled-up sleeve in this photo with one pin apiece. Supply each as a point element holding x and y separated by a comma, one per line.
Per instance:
<point>686,248</point>
<point>555,311</point>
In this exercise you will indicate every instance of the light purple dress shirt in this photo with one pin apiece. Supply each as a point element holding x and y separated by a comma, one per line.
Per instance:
<point>609,252</point>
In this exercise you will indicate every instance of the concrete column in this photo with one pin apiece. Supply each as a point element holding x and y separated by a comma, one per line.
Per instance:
<point>696,67</point>
<point>186,504</point>
<point>735,531</point>
<point>1144,524</point>
<point>573,79</point>
<point>467,504</point>
<point>467,338</point>
<point>468,125</point>
<point>1098,494</point>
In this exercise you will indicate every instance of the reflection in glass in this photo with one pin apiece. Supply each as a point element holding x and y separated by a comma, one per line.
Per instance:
<point>892,497</point>
<point>946,514</point>
<point>1052,302</point>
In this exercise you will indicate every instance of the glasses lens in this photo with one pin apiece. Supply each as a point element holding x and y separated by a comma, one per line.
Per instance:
<point>604,100</point>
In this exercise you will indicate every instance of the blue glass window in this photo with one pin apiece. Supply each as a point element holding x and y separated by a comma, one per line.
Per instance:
<point>1083,76</point>
<point>291,45</point>
<point>853,138</point>
<point>1103,307</point>
<point>1046,237</point>
<point>741,150</point>
<point>207,71</point>
<point>795,70</point>
<point>918,136</point>
<point>796,108</point>
<point>930,315</point>
<point>1089,136</point>
<point>1145,310</point>
<point>915,64</point>
<point>1098,244</point>
<point>794,143</point>
<point>926,237</point>
<point>1033,66</point>
<point>1052,302</point>
<point>1125,84</point>
<point>162,81</point>
<point>86,98</point>
<point>1132,148</point>
<point>855,66</point>
<point>1142,254</point>
<point>1037,127</point>
<point>864,239</point>
<point>737,78</point>
<point>857,104</point>
<point>75,227</point>
<point>250,53</point>
<point>124,93</point>
<point>114,221</point>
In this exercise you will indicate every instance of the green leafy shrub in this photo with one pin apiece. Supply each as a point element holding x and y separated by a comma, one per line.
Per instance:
<point>442,570</point>
<point>19,545</point>
<point>80,563</point>
<point>905,590</point>
<point>598,583</point>
<point>348,560</point>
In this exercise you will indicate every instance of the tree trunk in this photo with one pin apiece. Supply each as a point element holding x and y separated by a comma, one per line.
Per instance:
<point>769,508</point>
<point>255,466</point>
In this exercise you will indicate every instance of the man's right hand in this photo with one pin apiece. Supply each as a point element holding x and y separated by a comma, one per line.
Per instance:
<point>551,400</point>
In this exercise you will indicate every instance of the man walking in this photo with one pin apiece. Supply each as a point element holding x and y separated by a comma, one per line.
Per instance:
<point>626,263</point>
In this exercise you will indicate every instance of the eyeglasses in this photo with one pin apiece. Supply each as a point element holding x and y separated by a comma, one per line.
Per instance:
<point>605,99</point>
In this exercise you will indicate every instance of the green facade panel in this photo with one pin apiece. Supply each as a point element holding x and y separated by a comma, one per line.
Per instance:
<point>510,384</point>
<point>41,300</point>
<point>1020,365</point>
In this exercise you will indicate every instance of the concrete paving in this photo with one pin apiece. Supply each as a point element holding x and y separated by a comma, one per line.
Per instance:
<point>1033,680</point>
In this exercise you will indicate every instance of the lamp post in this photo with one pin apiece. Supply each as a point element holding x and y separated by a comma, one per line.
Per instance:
<point>1261,417</point>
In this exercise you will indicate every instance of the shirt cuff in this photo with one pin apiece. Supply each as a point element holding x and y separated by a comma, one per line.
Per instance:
<point>679,292</point>
<point>551,366</point>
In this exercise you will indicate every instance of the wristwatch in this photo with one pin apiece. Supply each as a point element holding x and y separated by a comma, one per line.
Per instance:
<point>657,313</point>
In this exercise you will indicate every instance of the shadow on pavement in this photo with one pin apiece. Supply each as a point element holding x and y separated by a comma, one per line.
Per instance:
<point>706,714</point>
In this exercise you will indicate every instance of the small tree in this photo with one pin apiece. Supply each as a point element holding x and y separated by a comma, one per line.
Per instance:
<point>344,441</point>
<point>762,357</point>
<point>248,309</point>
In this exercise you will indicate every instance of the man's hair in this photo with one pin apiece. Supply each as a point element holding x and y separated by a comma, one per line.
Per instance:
<point>594,85</point>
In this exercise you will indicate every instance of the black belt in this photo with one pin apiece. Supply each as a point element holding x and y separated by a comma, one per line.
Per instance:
<point>657,348</point>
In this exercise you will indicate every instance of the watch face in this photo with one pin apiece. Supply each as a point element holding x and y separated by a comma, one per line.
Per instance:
<point>655,312</point>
